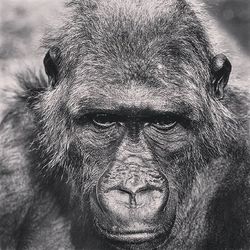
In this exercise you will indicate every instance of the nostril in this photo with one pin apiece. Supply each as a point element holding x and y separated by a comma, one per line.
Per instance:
<point>136,195</point>
<point>147,188</point>
<point>134,191</point>
<point>125,190</point>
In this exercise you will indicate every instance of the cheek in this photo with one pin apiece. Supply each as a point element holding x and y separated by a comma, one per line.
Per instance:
<point>94,149</point>
<point>86,164</point>
<point>168,143</point>
<point>173,152</point>
<point>99,138</point>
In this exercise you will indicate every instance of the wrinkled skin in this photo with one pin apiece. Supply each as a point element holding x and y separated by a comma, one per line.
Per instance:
<point>133,142</point>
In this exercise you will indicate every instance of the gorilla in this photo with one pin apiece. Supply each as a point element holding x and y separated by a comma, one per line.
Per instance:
<point>132,141</point>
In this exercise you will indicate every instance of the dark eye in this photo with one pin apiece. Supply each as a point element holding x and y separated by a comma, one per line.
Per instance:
<point>164,123</point>
<point>104,120</point>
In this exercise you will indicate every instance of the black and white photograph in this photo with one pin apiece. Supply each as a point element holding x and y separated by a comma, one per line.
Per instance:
<point>124,124</point>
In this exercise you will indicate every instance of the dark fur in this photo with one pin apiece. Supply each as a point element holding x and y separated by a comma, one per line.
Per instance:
<point>44,187</point>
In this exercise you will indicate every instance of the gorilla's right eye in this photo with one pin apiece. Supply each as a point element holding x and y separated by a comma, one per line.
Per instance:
<point>104,120</point>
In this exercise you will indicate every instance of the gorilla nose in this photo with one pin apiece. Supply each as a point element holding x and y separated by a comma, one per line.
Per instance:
<point>134,193</point>
<point>135,198</point>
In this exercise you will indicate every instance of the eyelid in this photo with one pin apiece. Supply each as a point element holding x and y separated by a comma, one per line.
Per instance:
<point>165,126</point>
<point>110,121</point>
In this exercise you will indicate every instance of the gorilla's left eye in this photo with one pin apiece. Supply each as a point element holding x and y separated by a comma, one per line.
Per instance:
<point>104,120</point>
<point>164,124</point>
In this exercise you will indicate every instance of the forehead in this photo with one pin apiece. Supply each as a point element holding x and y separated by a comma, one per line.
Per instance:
<point>132,96</point>
<point>133,82</point>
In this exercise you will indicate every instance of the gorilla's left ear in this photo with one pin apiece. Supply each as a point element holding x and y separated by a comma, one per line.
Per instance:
<point>221,69</point>
<point>51,62</point>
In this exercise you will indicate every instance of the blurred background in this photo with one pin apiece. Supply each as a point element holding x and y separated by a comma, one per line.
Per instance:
<point>22,23</point>
<point>234,16</point>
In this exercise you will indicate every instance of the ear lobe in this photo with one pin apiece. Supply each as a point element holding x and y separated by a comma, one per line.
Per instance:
<point>221,69</point>
<point>51,61</point>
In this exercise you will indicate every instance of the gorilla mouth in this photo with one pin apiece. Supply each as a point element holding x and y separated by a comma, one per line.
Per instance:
<point>149,236</point>
<point>134,237</point>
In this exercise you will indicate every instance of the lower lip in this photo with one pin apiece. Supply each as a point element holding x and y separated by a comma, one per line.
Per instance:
<point>132,237</point>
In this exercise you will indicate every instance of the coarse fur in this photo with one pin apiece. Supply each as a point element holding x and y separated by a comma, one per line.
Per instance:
<point>50,160</point>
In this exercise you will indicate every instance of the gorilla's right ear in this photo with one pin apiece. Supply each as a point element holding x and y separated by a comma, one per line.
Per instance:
<point>221,69</point>
<point>51,61</point>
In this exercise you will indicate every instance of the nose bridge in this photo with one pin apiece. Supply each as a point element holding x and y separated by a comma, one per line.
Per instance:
<point>133,152</point>
<point>134,131</point>
<point>138,161</point>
